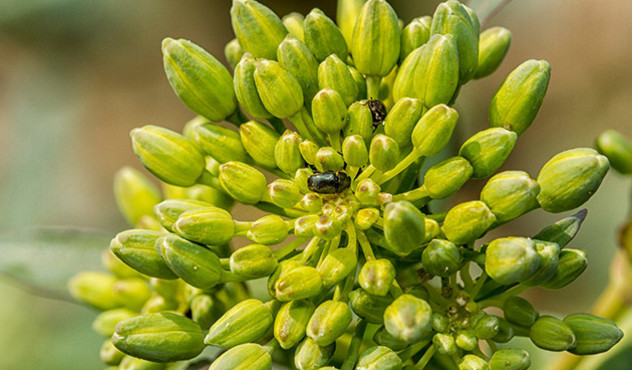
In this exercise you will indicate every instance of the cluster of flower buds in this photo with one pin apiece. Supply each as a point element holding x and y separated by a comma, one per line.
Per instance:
<point>331,126</point>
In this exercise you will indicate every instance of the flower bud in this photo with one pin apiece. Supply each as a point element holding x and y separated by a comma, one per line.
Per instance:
<point>136,248</point>
<point>168,211</point>
<point>329,111</point>
<point>403,227</point>
<point>510,359</point>
<point>292,281</point>
<point>310,355</point>
<point>617,149</point>
<point>415,34</point>
<point>564,230</point>
<point>401,120</point>
<point>383,338</point>
<point>296,58</point>
<point>279,91</point>
<point>284,193</point>
<point>157,304</point>
<point>168,155</point>
<point>133,363</point>
<point>135,194</point>
<point>572,263</point>
<point>287,154</point>
<point>511,260</point>
<point>510,194</point>
<point>268,230</point>
<point>199,80</point>
<point>106,321</point>
<point>444,344</point>
<point>376,276</point>
<point>195,264</point>
<point>570,178</point>
<point>437,74</point>
<point>305,226</point>
<point>379,357</point>
<point>467,222</point>
<point>368,306</point>
<point>434,129</point>
<point>346,16</point>
<point>253,261</point>
<point>367,191</point>
<point>132,292</point>
<point>337,265</point>
<point>247,321</point>
<point>323,37</point>
<point>119,268</point>
<point>360,82</point>
<point>248,356</point>
<point>487,150</point>
<point>552,334</point>
<point>366,217</point>
<point>291,321</point>
<point>492,48</point>
<point>311,203</point>
<point>384,152</point>
<point>159,337</point>
<point>334,74</point>
<point>466,340</point>
<point>257,28</point>
<point>473,362</point>
<point>441,258</point>
<point>329,321</point>
<point>518,99</point>
<point>487,327</point>
<point>354,151</point>
<point>211,226</point>
<point>594,334</point>
<point>308,151</point>
<point>549,260</point>
<point>233,52</point>
<point>242,182</point>
<point>519,311</point>
<point>445,178</point>
<point>408,318</point>
<point>294,23</point>
<point>221,143</point>
<point>404,84</point>
<point>328,227</point>
<point>205,310</point>
<point>109,354</point>
<point>360,121</point>
<point>328,159</point>
<point>245,88</point>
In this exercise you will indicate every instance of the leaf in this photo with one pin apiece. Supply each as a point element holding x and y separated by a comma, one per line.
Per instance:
<point>486,9</point>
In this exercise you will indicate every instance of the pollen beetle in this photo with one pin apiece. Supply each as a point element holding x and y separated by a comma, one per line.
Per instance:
<point>378,111</point>
<point>328,182</point>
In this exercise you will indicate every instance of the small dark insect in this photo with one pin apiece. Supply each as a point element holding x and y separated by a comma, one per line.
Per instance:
<point>378,111</point>
<point>328,182</point>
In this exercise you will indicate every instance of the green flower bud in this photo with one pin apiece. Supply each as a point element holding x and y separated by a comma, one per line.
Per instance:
<point>199,80</point>
<point>415,34</point>
<point>376,276</point>
<point>159,337</point>
<point>245,88</point>
<point>116,266</point>
<point>354,151</point>
<point>487,150</point>
<point>570,178</point>
<point>437,71</point>
<point>242,182</point>
<point>248,356</point>
<point>221,143</point>
<point>334,74</point>
<point>360,121</point>
<point>296,58</point>
<point>594,334</point>
<point>473,362</point>
<point>157,304</point>
<point>279,91</point>
<point>253,261</point>
<point>404,84</point>
<point>305,225</point>
<point>270,229</point>
<point>168,155</point>
<point>572,263</point>
<point>329,321</point>
<point>618,150</point>
<point>310,355</point>
<point>132,293</point>
<point>519,311</point>
<point>367,191</point>
<point>441,258</point>
<point>360,82</point>
<point>445,178</point>
<point>511,260</point>
<point>466,340</point>
<point>300,178</point>
<point>467,222</point>
<point>376,39</point>
<point>257,28</point>
<point>492,48</point>
<point>294,23</point>
<point>169,211</point>
<point>194,263</point>
<point>291,321</point>
<point>564,230</point>
<point>368,306</point>
<point>109,354</point>
<point>323,37</point>
<point>328,159</point>
<point>308,151</point>
<point>383,338</point>
<point>233,52</point>
<point>328,227</point>
<point>510,194</point>
<point>165,288</point>
<point>135,194</point>
<point>379,357</point>
<point>432,229</point>
<point>136,248</point>
<point>133,363</point>
<point>287,154</point>
<point>487,327</point>
<point>476,23</point>
<point>552,334</point>
<point>247,321</point>
<point>408,318</point>
<point>311,203</point>
<point>346,16</point>
<point>549,260</point>
<point>518,99</point>
<point>440,323</point>
<point>510,359</point>
<point>329,111</point>
<point>337,265</point>
<point>366,217</point>
<point>401,120</point>
<point>211,226</point>
<point>403,227</point>
<point>444,344</point>
<point>284,193</point>
<point>205,310</point>
<point>384,152</point>
<point>106,321</point>
<point>434,129</point>
<point>292,281</point>
<point>505,331</point>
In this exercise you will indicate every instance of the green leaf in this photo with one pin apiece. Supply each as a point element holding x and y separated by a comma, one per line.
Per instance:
<point>485,9</point>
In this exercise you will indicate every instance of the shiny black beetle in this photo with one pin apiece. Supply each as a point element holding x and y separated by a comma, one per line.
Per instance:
<point>378,111</point>
<point>328,182</point>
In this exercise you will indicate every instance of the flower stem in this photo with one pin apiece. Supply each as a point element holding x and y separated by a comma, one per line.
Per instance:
<point>373,87</point>
<point>354,346</point>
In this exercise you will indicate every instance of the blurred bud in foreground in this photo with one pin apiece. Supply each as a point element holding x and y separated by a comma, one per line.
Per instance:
<point>617,149</point>
<point>135,194</point>
<point>510,359</point>
<point>493,47</point>
<point>248,356</point>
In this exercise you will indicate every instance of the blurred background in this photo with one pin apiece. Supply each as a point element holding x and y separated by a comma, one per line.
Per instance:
<point>76,76</point>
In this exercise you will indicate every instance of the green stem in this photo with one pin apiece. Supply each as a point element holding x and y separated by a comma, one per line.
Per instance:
<point>230,277</point>
<point>271,346</point>
<point>299,123</point>
<point>241,228</point>
<point>402,165</point>
<point>354,346</point>
<point>225,263</point>
<point>365,246</point>
<point>464,273</point>
<point>499,299</point>
<point>277,124</point>
<point>373,87</point>
<point>368,171</point>
<point>289,247</point>
<point>479,284</point>
<point>334,140</point>
<point>423,361</point>
<point>310,249</point>
<point>237,118</point>
<point>413,349</point>
<point>213,181</point>
<point>412,195</point>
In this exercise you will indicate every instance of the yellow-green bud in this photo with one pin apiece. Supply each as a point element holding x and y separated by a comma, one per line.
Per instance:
<point>248,356</point>
<point>106,321</point>
<point>487,150</point>
<point>135,194</point>
<point>333,73</point>
<point>329,321</point>
<point>259,141</point>
<point>572,263</point>
<point>492,48</point>
<point>408,318</point>
<point>205,310</point>
<point>376,39</point>
<point>168,211</point>
<point>367,191</point>
<point>404,227</point>
<point>467,222</point>
<point>211,226</point>
<point>233,52</point>
<point>594,334</point>
<point>384,152</point>
<point>328,227</point>
<point>444,344</point>
<point>570,178</point>
<point>323,37</point>
<point>376,276</point>
<point>133,363</point>
<point>287,154</point>
<point>519,311</point>
<point>441,258</point>
<point>242,182</point>
<point>279,91</point>
<point>165,288</point>
<point>245,88</point>
<point>329,111</point>
<point>199,80</point>
<point>486,327</point>
<point>368,306</point>
<point>310,355</point>
<point>157,304</point>
<point>293,281</point>
<point>159,337</point>
<point>354,151</point>
<point>253,261</point>
<point>257,28</point>
<point>473,362</point>
<point>132,293</point>
<point>445,178</point>
<point>291,321</point>
<point>379,357</point>
<point>437,71</point>
<point>510,194</point>
<point>511,260</point>
<point>168,155</point>
<point>440,323</point>
<point>300,178</point>
<point>305,225</point>
<point>270,229</point>
<point>221,143</point>
<point>328,159</point>
<point>116,266</point>
<point>360,121</point>
<point>296,58</point>
<point>346,16</point>
<point>510,359</point>
<point>552,334</point>
<point>476,23</point>
<point>136,248</point>
<point>415,34</point>
<point>284,193</point>
<point>308,151</point>
<point>401,120</point>
<point>466,340</point>
<point>360,82</point>
<point>109,354</point>
<point>432,229</point>
<point>518,99</point>
<point>404,84</point>
<point>366,217</point>
<point>311,203</point>
<point>205,193</point>
<point>549,260</point>
<point>294,23</point>
<point>337,265</point>
<point>383,338</point>
<point>617,148</point>
<point>247,321</point>
<point>194,263</point>
<point>434,129</point>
